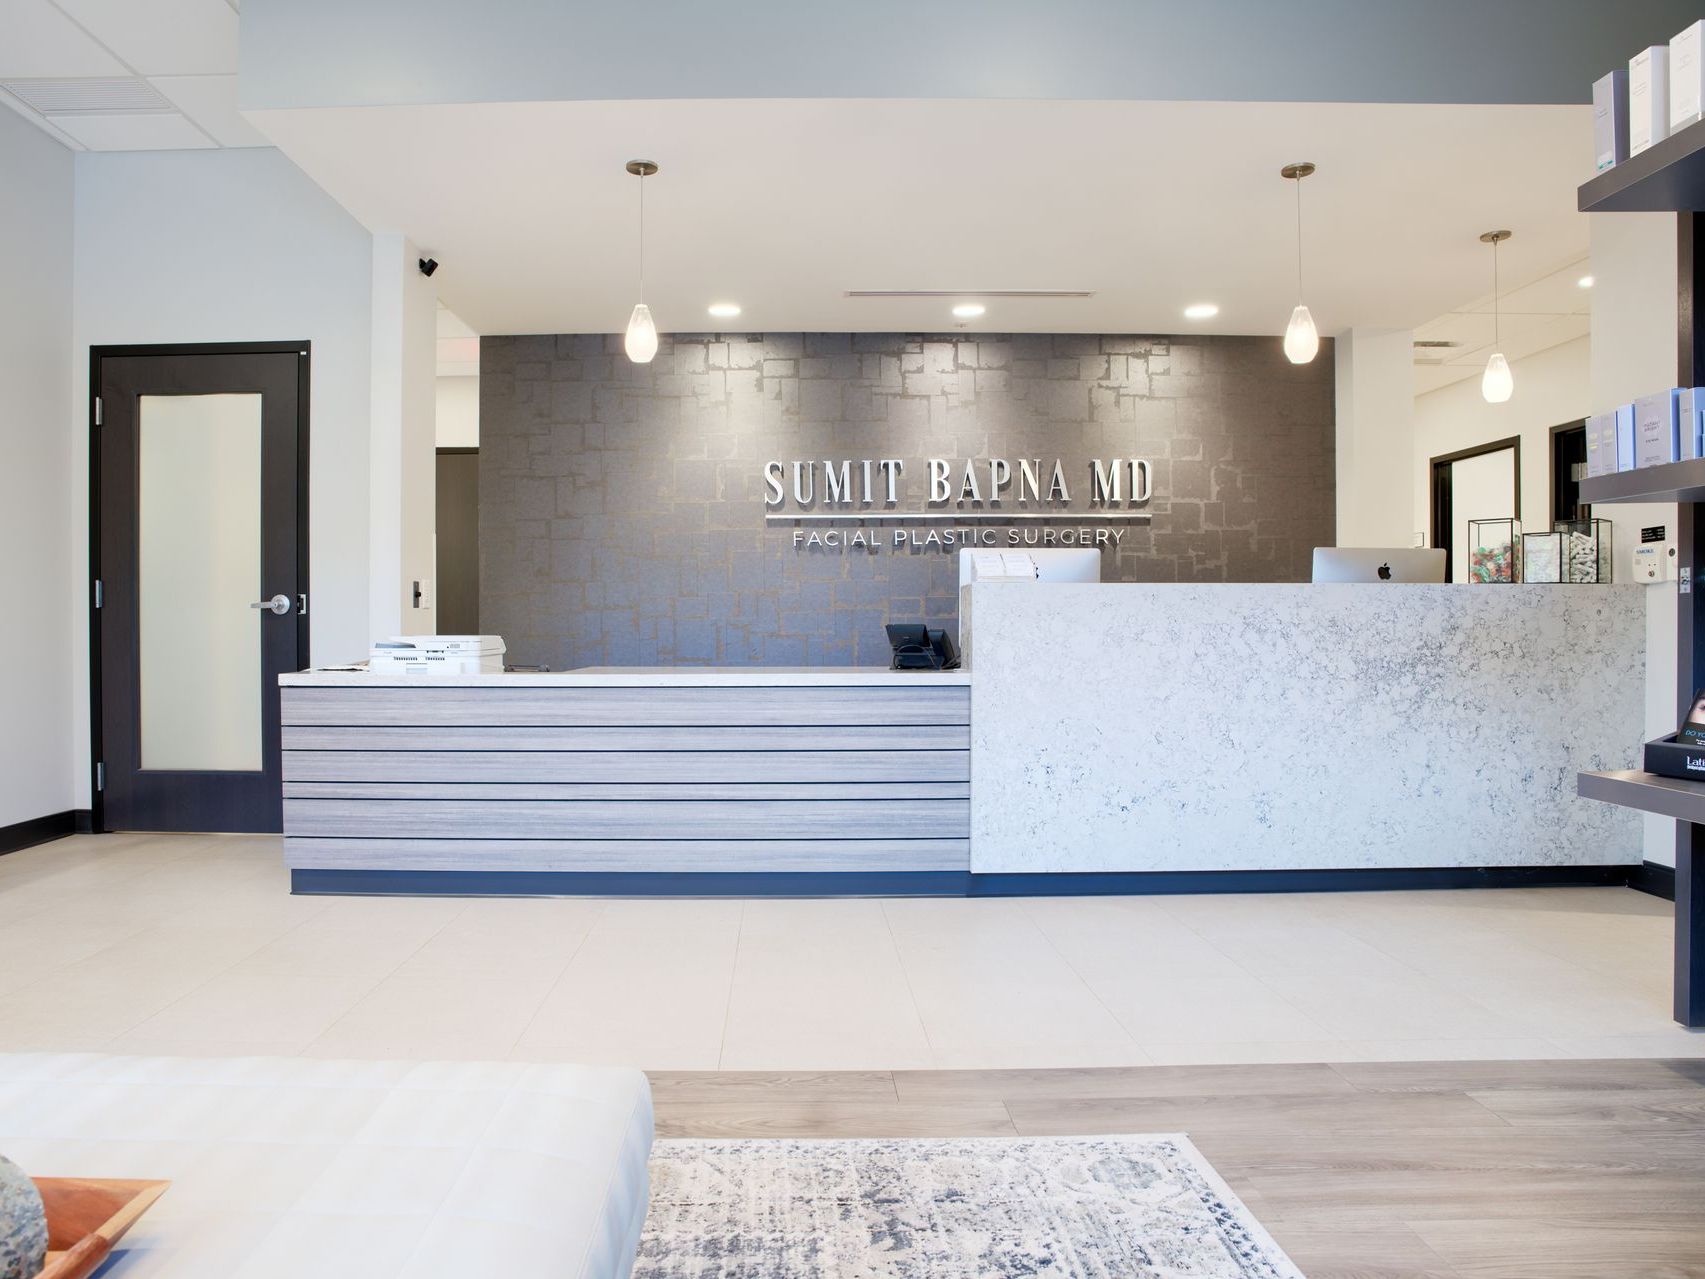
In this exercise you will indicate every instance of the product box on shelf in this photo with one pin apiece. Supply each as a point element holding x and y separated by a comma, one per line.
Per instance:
<point>1607,443</point>
<point>1686,76</point>
<point>1595,435</point>
<point>1648,98</point>
<point>1610,119</point>
<point>1671,757</point>
<point>1625,437</point>
<point>1690,414</point>
<point>1657,438</point>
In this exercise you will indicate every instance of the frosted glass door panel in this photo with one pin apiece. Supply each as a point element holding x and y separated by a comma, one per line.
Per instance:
<point>1481,488</point>
<point>198,570</point>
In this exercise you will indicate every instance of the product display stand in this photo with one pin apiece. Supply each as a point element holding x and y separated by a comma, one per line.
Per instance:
<point>1684,484</point>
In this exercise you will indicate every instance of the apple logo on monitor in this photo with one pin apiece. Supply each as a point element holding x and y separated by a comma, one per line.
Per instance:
<point>1385,572</point>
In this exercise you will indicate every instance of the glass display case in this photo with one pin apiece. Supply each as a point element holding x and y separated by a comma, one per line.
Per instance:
<point>1494,550</point>
<point>1574,551</point>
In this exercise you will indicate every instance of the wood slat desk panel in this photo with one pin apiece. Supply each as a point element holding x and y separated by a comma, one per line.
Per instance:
<point>503,792</point>
<point>619,819</point>
<point>659,856</point>
<point>682,766</point>
<point>623,707</point>
<point>621,779</point>
<point>710,737</point>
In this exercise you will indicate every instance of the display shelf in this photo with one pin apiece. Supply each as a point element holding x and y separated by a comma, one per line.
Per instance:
<point>1670,482</point>
<point>1667,177</point>
<point>1630,788</point>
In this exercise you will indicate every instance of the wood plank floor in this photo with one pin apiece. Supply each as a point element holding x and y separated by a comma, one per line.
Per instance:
<point>1399,1170</point>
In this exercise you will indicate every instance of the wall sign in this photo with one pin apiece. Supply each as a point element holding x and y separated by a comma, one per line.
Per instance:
<point>993,501</point>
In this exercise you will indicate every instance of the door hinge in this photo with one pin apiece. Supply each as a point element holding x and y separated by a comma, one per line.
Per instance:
<point>100,777</point>
<point>302,605</point>
<point>100,594</point>
<point>97,410</point>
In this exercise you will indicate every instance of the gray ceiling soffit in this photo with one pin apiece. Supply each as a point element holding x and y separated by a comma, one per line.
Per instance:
<point>320,53</point>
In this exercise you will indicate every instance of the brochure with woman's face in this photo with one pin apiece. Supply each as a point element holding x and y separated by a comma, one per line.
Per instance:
<point>1693,727</point>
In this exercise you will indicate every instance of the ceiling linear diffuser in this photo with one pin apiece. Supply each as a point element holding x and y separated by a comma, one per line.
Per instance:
<point>969,293</point>
<point>89,95</point>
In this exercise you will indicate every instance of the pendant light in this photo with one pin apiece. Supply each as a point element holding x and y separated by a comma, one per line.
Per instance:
<point>1496,383</point>
<point>641,340</point>
<point>1302,339</point>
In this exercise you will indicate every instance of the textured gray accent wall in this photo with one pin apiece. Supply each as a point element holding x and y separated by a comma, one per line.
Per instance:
<point>622,505</point>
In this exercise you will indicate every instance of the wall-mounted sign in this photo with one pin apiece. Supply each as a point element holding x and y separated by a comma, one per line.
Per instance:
<point>993,501</point>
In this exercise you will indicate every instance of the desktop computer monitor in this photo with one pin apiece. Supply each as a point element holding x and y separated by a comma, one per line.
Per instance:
<point>1378,564</point>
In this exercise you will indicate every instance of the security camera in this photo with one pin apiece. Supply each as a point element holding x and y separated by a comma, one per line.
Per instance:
<point>428,266</point>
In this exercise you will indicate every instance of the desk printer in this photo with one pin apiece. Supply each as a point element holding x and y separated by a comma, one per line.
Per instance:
<point>437,655</point>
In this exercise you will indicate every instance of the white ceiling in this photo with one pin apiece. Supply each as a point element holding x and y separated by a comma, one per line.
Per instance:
<point>1534,317</point>
<point>186,50</point>
<point>783,206</point>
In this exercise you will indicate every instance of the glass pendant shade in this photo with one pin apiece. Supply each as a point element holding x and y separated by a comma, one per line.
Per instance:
<point>1496,383</point>
<point>1302,339</point>
<point>641,342</point>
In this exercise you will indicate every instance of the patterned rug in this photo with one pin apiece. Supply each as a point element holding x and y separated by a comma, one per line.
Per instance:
<point>978,1208</point>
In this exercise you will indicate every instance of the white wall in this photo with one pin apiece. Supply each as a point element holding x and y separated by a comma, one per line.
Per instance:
<point>233,246</point>
<point>40,595</point>
<point>1375,392</point>
<point>402,518</point>
<point>1634,353</point>
<point>459,412</point>
<point>1552,387</point>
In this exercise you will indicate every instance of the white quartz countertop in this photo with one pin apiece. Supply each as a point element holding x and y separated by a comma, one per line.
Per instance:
<point>637,677</point>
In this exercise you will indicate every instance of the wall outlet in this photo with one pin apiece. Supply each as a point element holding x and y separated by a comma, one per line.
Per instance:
<point>1420,539</point>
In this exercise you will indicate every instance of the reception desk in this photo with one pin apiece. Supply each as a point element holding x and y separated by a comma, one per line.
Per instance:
<point>1125,728</point>
<point>607,780</point>
<point>1108,737</point>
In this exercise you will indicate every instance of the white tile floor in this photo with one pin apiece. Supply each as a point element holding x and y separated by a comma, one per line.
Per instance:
<point>191,944</point>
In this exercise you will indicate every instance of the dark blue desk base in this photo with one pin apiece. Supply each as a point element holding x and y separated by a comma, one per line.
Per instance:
<point>463,883</point>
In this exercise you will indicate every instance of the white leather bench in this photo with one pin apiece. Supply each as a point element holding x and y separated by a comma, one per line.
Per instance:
<point>284,1168</point>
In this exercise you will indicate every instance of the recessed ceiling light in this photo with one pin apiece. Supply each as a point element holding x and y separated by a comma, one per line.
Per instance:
<point>1201,311</point>
<point>1585,282</point>
<point>969,310</point>
<point>725,310</point>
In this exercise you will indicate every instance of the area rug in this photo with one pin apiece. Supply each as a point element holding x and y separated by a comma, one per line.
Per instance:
<point>973,1208</point>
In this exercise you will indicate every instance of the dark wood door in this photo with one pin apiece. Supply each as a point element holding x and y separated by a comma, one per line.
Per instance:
<point>200,563</point>
<point>458,513</point>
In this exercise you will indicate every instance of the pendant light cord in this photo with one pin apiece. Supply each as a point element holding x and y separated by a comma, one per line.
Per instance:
<point>1298,181</point>
<point>1497,341</point>
<point>642,237</point>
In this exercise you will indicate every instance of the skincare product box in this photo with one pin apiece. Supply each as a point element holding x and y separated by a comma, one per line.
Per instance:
<point>1607,444</point>
<point>1686,76</point>
<point>1610,119</point>
<point>1648,98</point>
<point>1690,413</point>
<point>1656,436</point>
<point>1625,437</point>
<point>1595,456</point>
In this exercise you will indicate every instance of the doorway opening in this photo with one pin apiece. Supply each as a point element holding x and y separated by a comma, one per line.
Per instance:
<point>1479,483</point>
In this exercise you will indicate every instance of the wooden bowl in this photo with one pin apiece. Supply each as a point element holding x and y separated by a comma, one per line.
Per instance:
<point>86,1217</point>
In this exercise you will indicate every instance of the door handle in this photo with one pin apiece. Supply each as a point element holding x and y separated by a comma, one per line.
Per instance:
<point>279,604</point>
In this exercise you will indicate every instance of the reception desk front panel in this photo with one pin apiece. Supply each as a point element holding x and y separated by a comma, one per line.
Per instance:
<point>1136,728</point>
<point>685,772</point>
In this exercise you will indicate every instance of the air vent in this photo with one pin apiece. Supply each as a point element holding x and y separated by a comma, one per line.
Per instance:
<point>970,293</point>
<point>97,95</point>
<point>1434,344</point>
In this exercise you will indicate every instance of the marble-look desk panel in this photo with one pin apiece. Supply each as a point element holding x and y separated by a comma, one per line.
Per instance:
<point>1124,727</point>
